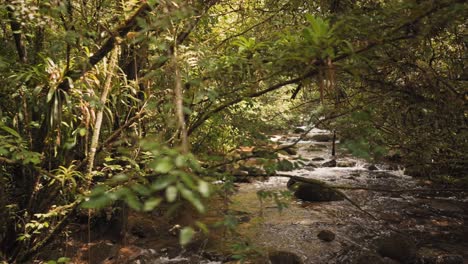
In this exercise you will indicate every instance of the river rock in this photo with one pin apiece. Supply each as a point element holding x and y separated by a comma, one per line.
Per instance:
<point>299,130</point>
<point>316,147</point>
<point>326,235</point>
<point>346,163</point>
<point>330,163</point>
<point>372,167</point>
<point>397,247</point>
<point>322,137</point>
<point>318,159</point>
<point>372,258</point>
<point>286,148</point>
<point>284,257</point>
<point>99,251</point>
<point>442,259</point>
<point>313,192</point>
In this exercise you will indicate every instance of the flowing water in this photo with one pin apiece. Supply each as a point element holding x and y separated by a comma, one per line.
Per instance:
<point>437,225</point>
<point>435,222</point>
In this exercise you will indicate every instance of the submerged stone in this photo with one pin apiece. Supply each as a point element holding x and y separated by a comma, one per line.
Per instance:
<point>326,235</point>
<point>284,257</point>
<point>397,247</point>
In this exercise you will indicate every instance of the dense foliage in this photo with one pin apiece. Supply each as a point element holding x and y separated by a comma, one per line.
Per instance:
<point>104,101</point>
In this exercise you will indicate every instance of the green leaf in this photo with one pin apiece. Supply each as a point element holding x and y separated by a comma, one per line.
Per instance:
<point>180,161</point>
<point>162,182</point>
<point>119,178</point>
<point>164,165</point>
<point>50,94</point>
<point>202,226</point>
<point>97,202</point>
<point>133,202</point>
<point>63,260</point>
<point>204,188</point>
<point>152,203</point>
<point>171,193</point>
<point>9,130</point>
<point>193,199</point>
<point>186,235</point>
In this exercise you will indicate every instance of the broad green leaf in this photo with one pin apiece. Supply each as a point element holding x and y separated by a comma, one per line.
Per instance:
<point>152,203</point>
<point>204,188</point>
<point>63,260</point>
<point>162,182</point>
<point>171,193</point>
<point>193,199</point>
<point>133,202</point>
<point>186,235</point>
<point>9,130</point>
<point>164,165</point>
<point>97,202</point>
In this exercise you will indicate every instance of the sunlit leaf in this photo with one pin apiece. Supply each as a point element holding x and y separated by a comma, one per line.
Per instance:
<point>186,235</point>
<point>171,193</point>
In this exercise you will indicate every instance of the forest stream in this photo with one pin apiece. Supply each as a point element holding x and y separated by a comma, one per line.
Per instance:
<point>378,223</point>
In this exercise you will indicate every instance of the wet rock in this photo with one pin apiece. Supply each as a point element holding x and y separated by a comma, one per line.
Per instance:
<point>397,247</point>
<point>310,165</point>
<point>322,137</point>
<point>416,171</point>
<point>445,208</point>
<point>372,258</point>
<point>372,167</point>
<point>318,159</point>
<point>326,235</point>
<point>284,257</point>
<point>390,167</point>
<point>286,148</point>
<point>292,185</point>
<point>316,147</point>
<point>99,251</point>
<point>313,192</point>
<point>383,175</point>
<point>442,259</point>
<point>299,130</point>
<point>330,163</point>
<point>291,151</point>
<point>346,163</point>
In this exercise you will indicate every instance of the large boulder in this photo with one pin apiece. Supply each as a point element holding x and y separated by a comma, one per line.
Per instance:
<point>397,247</point>
<point>313,192</point>
<point>284,257</point>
